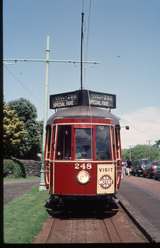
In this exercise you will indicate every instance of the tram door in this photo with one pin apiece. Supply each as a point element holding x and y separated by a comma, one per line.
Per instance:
<point>73,159</point>
<point>118,155</point>
<point>64,181</point>
<point>47,155</point>
<point>84,146</point>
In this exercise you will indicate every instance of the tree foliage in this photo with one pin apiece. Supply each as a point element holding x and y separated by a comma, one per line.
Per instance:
<point>27,113</point>
<point>24,109</point>
<point>13,131</point>
<point>32,144</point>
<point>141,152</point>
<point>157,143</point>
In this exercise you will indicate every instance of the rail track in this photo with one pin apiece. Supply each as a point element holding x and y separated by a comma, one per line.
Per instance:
<point>79,226</point>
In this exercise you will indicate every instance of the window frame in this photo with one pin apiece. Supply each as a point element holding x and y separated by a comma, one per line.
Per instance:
<point>48,142</point>
<point>110,135</point>
<point>91,141</point>
<point>57,140</point>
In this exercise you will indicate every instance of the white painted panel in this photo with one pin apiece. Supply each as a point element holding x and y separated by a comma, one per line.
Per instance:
<point>105,179</point>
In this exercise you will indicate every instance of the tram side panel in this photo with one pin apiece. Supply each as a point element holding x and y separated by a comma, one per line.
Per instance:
<point>47,150</point>
<point>118,155</point>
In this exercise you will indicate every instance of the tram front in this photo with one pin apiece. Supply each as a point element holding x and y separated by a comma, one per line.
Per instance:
<point>84,153</point>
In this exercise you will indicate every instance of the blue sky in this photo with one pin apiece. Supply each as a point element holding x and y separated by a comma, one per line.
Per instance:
<point>125,28</point>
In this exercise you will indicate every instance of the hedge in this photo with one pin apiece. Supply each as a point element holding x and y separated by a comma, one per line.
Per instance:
<point>14,168</point>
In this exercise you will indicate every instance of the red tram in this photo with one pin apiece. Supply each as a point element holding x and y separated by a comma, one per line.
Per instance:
<point>83,147</point>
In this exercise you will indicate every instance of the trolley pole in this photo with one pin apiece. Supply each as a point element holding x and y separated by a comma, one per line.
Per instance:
<point>42,182</point>
<point>82,50</point>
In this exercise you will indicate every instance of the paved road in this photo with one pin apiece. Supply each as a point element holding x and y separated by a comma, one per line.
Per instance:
<point>144,195</point>
<point>14,189</point>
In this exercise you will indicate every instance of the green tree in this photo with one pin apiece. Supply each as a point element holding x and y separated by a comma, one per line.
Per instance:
<point>13,131</point>
<point>32,144</point>
<point>157,143</point>
<point>27,113</point>
<point>141,152</point>
<point>24,109</point>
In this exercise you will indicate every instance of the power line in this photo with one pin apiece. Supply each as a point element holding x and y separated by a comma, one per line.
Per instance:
<point>20,82</point>
<point>50,60</point>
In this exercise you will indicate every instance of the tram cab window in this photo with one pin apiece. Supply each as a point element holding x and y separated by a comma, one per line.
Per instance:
<point>118,141</point>
<point>63,151</point>
<point>103,144</point>
<point>83,143</point>
<point>48,142</point>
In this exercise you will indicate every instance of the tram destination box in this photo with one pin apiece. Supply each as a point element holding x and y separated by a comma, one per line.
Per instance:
<point>82,98</point>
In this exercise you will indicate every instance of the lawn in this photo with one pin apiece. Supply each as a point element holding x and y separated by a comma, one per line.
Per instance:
<point>20,180</point>
<point>24,216</point>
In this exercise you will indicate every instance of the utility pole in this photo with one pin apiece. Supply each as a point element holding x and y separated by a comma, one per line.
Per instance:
<point>46,105</point>
<point>42,182</point>
<point>149,142</point>
<point>130,153</point>
<point>149,148</point>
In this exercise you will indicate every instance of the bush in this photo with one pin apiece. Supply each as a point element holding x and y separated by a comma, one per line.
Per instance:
<point>8,166</point>
<point>14,168</point>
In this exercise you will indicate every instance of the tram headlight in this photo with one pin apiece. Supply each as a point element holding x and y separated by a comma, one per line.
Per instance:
<point>83,177</point>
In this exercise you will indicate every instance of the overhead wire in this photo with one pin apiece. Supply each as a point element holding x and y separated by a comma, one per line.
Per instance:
<point>20,82</point>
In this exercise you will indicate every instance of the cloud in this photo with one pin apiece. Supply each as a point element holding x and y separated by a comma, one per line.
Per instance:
<point>144,127</point>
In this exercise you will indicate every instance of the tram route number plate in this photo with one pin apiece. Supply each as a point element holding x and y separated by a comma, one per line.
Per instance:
<point>105,179</point>
<point>83,166</point>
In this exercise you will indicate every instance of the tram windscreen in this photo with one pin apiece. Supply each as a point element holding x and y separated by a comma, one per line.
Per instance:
<point>83,143</point>
<point>63,151</point>
<point>103,144</point>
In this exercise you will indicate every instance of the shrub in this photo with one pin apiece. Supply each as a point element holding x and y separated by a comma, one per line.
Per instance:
<point>13,167</point>
<point>8,166</point>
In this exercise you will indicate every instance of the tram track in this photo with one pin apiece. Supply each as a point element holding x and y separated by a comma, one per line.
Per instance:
<point>114,226</point>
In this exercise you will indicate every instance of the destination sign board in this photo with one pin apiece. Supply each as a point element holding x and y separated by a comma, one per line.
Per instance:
<point>64,100</point>
<point>102,99</point>
<point>83,98</point>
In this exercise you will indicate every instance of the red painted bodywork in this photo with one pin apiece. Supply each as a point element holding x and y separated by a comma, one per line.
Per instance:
<point>66,182</point>
<point>61,176</point>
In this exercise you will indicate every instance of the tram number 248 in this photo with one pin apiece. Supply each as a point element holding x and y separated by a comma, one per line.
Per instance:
<point>83,166</point>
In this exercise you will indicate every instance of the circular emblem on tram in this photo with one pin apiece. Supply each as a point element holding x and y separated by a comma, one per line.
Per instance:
<point>105,181</point>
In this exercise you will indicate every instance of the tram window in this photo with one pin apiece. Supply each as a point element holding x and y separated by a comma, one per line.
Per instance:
<point>48,143</point>
<point>83,143</point>
<point>64,143</point>
<point>103,145</point>
<point>118,141</point>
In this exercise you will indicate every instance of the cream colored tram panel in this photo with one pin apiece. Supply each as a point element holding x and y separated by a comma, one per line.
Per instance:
<point>105,179</point>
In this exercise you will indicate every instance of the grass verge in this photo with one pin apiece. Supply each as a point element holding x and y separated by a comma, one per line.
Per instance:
<point>23,217</point>
<point>19,180</point>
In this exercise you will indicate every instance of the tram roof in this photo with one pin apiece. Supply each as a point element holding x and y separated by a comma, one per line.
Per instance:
<point>83,111</point>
